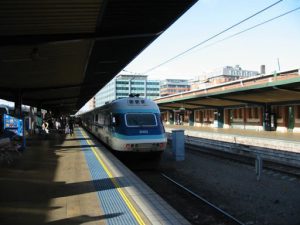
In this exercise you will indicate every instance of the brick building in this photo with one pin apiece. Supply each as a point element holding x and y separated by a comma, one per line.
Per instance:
<point>263,102</point>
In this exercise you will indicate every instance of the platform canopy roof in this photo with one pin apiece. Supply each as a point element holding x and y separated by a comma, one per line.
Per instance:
<point>263,90</point>
<point>59,53</point>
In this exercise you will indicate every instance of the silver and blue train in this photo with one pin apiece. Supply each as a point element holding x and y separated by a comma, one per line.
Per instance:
<point>130,124</point>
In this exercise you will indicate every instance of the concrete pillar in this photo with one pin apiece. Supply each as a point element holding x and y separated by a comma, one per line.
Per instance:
<point>178,149</point>
<point>18,104</point>
<point>260,113</point>
<point>18,114</point>
<point>191,118</point>
<point>220,117</point>
<point>258,167</point>
<point>226,118</point>
<point>245,115</point>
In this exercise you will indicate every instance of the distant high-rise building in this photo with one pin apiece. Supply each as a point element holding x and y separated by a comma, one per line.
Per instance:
<point>232,71</point>
<point>91,103</point>
<point>123,85</point>
<point>223,75</point>
<point>229,73</point>
<point>173,86</point>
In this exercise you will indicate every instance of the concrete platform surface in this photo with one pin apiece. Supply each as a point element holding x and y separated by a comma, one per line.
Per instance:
<point>58,180</point>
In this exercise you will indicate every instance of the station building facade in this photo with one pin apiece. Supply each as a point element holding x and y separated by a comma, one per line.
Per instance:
<point>264,102</point>
<point>123,85</point>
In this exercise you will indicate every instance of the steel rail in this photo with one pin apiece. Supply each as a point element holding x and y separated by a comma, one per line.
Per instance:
<point>203,199</point>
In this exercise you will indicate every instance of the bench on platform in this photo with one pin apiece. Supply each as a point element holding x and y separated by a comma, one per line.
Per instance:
<point>8,150</point>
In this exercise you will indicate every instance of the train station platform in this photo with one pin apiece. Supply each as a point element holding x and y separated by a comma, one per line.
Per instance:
<point>63,179</point>
<point>269,139</point>
<point>284,147</point>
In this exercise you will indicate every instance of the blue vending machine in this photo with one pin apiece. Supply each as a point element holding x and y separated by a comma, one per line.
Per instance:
<point>13,125</point>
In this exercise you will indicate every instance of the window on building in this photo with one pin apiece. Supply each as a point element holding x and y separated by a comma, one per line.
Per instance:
<point>137,82</point>
<point>255,115</point>
<point>122,82</point>
<point>249,110</point>
<point>235,113</point>
<point>240,113</point>
<point>278,110</point>
<point>122,88</point>
<point>137,88</point>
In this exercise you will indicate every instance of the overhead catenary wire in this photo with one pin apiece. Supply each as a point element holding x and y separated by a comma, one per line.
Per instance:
<point>214,36</point>
<point>250,28</point>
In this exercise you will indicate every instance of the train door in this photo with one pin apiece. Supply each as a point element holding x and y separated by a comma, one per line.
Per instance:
<point>1,124</point>
<point>291,118</point>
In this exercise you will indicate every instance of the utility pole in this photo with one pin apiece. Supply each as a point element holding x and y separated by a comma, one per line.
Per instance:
<point>278,64</point>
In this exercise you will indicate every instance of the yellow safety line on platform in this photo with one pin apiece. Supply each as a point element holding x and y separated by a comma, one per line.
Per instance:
<point>121,192</point>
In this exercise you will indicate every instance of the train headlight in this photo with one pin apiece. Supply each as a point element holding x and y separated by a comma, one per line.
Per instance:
<point>162,145</point>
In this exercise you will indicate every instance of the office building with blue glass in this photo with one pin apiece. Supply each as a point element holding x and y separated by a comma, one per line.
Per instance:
<point>123,85</point>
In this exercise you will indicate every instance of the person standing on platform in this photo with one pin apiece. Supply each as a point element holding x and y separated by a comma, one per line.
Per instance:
<point>39,122</point>
<point>71,126</point>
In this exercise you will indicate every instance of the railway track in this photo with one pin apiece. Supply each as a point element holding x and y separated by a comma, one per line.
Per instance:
<point>246,159</point>
<point>191,205</point>
<point>190,199</point>
<point>288,158</point>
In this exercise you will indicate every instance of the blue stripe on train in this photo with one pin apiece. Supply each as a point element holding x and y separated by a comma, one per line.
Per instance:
<point>136,131</point>
<point>138,137</point>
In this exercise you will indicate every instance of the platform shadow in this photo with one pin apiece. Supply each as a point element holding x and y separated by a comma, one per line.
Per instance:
<point>43,191</point>
<point>78,139</point>
<point>64,190</point>
<point>82,219</point>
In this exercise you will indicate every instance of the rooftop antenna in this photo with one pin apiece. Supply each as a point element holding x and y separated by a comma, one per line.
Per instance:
<point>278,64</point>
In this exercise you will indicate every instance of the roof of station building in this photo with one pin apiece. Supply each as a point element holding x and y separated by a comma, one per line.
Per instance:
<point>59,53</point>
<point>261,90</point>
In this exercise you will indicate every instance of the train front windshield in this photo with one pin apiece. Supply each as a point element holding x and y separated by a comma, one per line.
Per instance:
<point>141,120</point>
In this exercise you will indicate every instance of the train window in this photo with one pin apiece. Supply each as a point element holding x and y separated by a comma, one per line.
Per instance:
<point>107,120</point>
<point>140,119</point>
<point>115,120</point>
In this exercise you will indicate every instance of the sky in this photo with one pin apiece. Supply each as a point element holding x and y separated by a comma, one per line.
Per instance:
<point>273,42</point>
<point>276,41</point>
